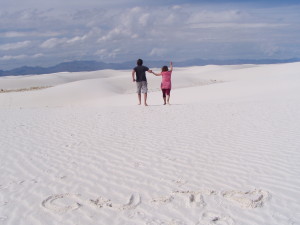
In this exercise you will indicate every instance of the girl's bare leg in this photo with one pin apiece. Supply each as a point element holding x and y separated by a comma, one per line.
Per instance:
<point>168,99</point>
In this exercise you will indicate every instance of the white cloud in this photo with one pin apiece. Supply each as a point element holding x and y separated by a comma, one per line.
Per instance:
<point>158,52</point>
<point>13,46</point>
<point>10,57</point>
<point>117,34</point>
<point>53,42</point>
<point>221,16</point>
<point>114,53</point>
<point>237,25</point>
<point>144,19</point>
<point>19,57</point>
<point>101,52</point>
<point>105,53</point>
<point>76,39</point>
<point>74,4</point>
<point>38,55</point>
<point>175,7</point>
<point>15,34</point>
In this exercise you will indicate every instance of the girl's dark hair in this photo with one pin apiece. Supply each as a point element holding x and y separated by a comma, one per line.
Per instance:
<point>139,62</point>
<point>164,68</point>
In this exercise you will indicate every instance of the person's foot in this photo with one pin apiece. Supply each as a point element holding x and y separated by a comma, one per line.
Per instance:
<point>146,104</point>
<point>139,103</point>
<point>165,103</point>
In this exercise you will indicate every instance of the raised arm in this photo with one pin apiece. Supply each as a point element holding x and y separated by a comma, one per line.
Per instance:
<point>171,66</point>
<point>133,73</point>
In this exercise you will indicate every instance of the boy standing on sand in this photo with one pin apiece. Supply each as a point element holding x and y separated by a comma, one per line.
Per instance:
<point>141,80</point>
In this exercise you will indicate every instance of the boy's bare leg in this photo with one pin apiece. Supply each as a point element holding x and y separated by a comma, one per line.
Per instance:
<point>164,100</point>
<point>140,98</point>
<point>145,99</point>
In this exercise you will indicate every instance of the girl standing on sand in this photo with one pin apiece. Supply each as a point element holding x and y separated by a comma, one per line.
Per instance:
<point>166,82</point>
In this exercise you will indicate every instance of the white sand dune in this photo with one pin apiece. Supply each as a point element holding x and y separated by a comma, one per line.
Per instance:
<point>82,152</point>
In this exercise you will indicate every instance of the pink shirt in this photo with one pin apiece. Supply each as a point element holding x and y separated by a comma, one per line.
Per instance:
<point>166,80</point>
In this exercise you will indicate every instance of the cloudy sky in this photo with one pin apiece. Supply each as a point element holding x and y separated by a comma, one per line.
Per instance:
<point>47,32</point>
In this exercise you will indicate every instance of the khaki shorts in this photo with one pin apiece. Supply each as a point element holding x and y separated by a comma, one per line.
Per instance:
<point>141,87</point>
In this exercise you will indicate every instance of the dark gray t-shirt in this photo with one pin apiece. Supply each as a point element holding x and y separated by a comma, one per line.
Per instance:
<point>141,73</point>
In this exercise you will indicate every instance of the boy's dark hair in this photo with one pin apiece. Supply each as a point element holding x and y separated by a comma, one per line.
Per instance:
<point>164,68</point>
<point>139,62</point>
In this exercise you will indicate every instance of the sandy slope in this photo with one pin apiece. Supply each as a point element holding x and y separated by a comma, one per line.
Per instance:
<point>82,152</point>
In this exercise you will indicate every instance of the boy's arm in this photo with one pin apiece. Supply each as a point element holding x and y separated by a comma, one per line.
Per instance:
<point>133,73</point>
<point>156,74</point>
<point>171,66</point>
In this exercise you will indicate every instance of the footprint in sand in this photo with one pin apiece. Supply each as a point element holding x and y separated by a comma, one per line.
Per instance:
<point>62,203</point>
<point>211,218</point>
<point>137,164</point>
<point>194,199</point>
<point>3,203</point>
<point>3,218</point>
<point>249,199</point>
<point>154,221</point>
<point>101,202</point>
<point>163,200</point>
<point>190,199</point>
<point>134,201</point>
<point>179,182</point>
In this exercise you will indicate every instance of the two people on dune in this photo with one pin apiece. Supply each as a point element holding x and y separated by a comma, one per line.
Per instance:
<point>139,76</point>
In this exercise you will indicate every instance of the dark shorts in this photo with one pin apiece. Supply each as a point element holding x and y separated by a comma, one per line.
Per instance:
<point>166,92</point>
